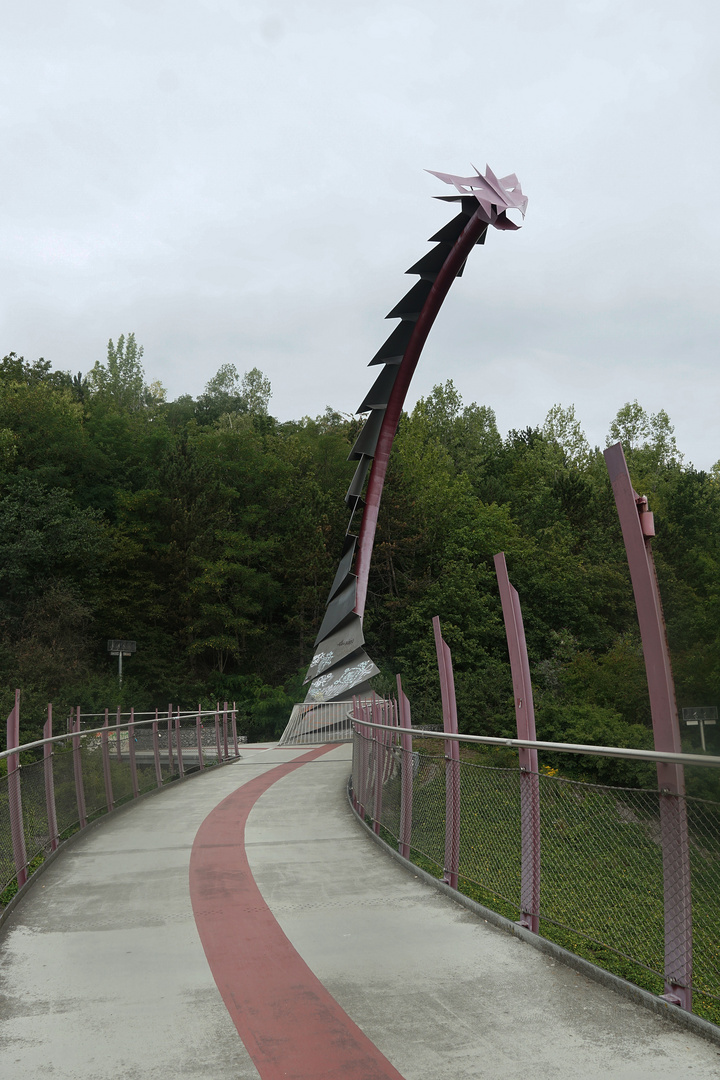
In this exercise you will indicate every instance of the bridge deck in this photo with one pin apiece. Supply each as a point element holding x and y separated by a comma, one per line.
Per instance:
<point>329,958</point>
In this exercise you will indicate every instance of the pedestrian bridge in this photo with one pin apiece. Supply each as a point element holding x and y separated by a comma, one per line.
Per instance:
<point>247,923</point>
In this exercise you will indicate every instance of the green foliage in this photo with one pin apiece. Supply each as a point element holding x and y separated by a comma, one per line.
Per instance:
<point>209,533</point>
<point>121,380</point>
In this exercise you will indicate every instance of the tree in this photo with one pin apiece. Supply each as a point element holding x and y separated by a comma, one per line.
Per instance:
<point>563,428</point>
<point>652,433</point>
<point>226,394</point>
<point>122,379</point>
<point>256,392</point>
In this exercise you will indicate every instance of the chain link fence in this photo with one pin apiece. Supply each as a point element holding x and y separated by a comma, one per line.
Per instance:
<point>602,885</point>
<point>88,773</point>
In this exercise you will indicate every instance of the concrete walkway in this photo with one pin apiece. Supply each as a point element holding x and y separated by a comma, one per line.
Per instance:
<point>157,936</point>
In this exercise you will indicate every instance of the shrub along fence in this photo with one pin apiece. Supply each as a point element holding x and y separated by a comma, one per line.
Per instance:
<point>92,769</point>
<point>585,865</point>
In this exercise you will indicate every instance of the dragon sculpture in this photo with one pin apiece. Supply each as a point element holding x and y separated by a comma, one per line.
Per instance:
<point>340,664</point>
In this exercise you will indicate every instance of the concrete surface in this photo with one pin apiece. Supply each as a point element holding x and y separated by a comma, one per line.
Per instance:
<point>102,973</point>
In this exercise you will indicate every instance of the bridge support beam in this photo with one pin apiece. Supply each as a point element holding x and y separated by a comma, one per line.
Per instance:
<point>452,759</point>
<point>529,778</point>
<point>638,528</point>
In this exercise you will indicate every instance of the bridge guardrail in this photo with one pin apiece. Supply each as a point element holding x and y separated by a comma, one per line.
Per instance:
<point>602,890</point>
<point>86,773</point>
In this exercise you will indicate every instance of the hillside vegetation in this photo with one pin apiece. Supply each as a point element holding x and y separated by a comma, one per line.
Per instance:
<point>209,532</point>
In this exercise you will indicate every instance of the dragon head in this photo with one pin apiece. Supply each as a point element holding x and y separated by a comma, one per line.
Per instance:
<point>495,195</point>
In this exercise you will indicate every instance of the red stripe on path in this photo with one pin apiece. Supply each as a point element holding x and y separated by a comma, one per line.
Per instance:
<point>291,1026</point>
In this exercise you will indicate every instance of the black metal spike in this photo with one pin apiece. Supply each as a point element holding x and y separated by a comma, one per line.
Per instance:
<point>433,261</point>
<point>367,439</point>
<point>469,202</point>
<point>358,480</point>
<point>355,669</point>
<point>344,566</point>
<point>378,395</point>
<point>336,646</point>
<point>412,303</point>
<point>338,609</point>
<point>391,352</point>
<point>452,230</point>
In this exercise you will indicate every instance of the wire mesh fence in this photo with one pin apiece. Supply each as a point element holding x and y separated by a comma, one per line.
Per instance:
<point>603,886</point>
<point>88,772</point>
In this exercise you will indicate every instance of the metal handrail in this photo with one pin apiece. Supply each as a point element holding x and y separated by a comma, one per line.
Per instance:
<point>568,748</point>
<point>109,729</point>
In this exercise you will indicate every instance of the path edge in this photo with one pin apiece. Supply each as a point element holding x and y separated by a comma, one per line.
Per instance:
<point>652,1002</point>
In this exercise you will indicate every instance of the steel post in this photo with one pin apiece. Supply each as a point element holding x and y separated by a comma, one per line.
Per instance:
<point>355,754</point>
<point>17,829</point>
<point>234,729</point>
<point>131,755</point>
<point>171,760</point>
<point>118,745</point>
<point>156,751</point>
<point>452,759</point>
<point>637,525</point>
<point>217,732</point>
<point>378,762</point>
<point>225,731</point>
<point>50,783</point>
<point>77,770</point>
<point>198,733</point>
<point>529,777</point>
<point>178,745</point>
<point>362,776</point>
<point>107,775</point>
<point>406,773</point>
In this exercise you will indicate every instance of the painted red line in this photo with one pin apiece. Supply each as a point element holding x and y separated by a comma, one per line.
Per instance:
<point>291,1026</point>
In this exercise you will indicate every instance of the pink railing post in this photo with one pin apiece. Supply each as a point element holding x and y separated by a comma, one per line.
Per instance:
<point>171,760</point>
<point>406,773</point>
<point>234,729</point>
<point>107,775</point>
<point>452,759</point>
<point>528,758</point>
<point>118,744</point>
<point>77,770</point>
<point>355,755</point>
<point>225,731</point>
<point>378,763</point>
<point>637,525</point>
<point>156,750</point>
<point>198,732</point>
<point>50,783</point>
<point>217,731</point>
<point>364,758</point>
<point>131,754</point>
<point>178,745</point>
<point>17,829</point>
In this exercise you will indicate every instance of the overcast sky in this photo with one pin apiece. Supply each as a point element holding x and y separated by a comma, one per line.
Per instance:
<point>243,183</point>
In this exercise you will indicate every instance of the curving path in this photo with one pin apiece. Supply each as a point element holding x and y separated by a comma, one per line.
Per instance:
<point>243,925</point>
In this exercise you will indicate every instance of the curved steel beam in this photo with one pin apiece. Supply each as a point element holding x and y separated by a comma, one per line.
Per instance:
<point>340,664</point>
<point>473,232</point>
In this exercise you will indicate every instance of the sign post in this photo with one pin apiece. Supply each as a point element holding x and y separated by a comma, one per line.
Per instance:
<point>118,647</point>
<point>702,716</point>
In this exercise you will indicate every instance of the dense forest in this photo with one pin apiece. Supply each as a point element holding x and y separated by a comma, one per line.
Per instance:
<point>209,532</point>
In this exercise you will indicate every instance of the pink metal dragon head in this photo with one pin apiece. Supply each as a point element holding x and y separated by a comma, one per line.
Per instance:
<point>495,196</point>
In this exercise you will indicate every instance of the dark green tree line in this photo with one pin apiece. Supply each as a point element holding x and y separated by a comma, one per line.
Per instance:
<point>209,532</point>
